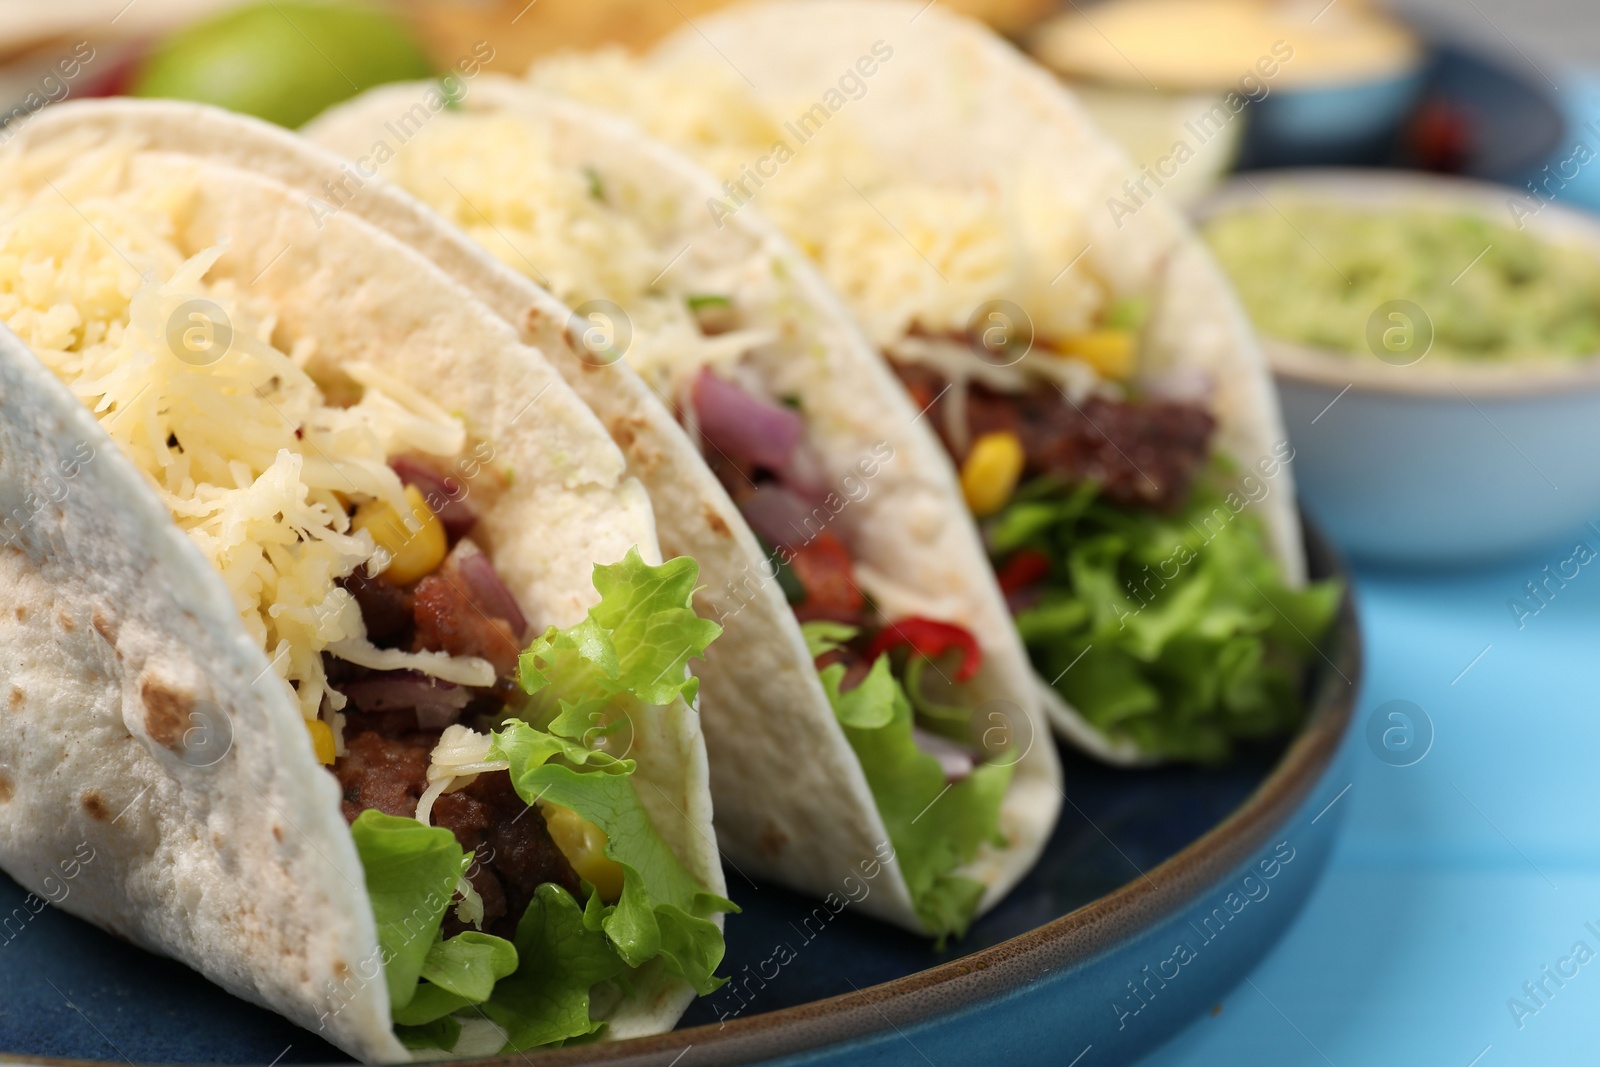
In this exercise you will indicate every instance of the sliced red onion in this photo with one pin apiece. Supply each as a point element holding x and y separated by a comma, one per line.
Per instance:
<point>395,690</point>
<point>955,759</point>
<point>445,495</point>
<point>777,514</point>
<point>486,589</point>
<point>744,427</point>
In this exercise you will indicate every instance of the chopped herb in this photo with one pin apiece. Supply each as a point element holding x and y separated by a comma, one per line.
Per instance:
<point>1128,313</point>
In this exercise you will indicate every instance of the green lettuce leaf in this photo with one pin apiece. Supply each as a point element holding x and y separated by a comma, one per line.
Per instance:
<point>872,704</point>
<point>460,972</point>
<point>440,1034</point>
<point>663,912</point>
<point>547,999</point>
<point>1175,631</point>
<point>637,641</point>
<point>824,636</point>
<point>933,830</point>
<point>411,872</point>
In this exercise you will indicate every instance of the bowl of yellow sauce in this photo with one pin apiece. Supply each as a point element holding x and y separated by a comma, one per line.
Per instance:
<point>1180,81</point>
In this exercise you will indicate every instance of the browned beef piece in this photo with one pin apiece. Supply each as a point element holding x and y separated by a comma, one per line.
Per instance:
<point>447,621</point>
<point>385,607</point>
<point>468,818</point>
<point>1142,453</point>
<point>386,773</point>
<point>517,849</point>
<point>385,765</point>
<point>515,854</point>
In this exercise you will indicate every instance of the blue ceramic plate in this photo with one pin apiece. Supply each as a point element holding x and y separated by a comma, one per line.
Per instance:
<point>1158,892</point>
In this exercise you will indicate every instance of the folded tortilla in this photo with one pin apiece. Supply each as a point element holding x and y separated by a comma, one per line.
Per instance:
<point>166,628</point>
<point>997,247</point>
<point>559,193</point>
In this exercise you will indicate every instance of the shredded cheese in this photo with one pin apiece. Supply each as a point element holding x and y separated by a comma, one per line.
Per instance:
<point>459,756</point>
<point>906,252</point>
<point>499,177</point>
<point>243,448</point>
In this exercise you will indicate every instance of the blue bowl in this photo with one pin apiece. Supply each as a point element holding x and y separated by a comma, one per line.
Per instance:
<point>1342,122</point>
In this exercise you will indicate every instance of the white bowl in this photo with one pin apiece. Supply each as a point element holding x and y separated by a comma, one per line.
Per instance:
<point>1437,462</point>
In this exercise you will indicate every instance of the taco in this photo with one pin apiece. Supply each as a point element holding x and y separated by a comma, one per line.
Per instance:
<point>1079,354</point>
<point>864,630</point>
<point>336,631</point>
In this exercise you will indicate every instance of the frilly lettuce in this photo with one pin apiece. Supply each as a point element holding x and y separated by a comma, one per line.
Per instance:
<point>1175,631</point>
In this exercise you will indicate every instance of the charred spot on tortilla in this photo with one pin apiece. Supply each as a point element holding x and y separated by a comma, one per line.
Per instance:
<point>625,431</point>
<point>65,619</point>
<point>773,841</point>
<point>22,613</point>
<point>95,806</point>
<point>16,696</point>
<point>8,788</point>
<point>718,524</point>
<point>166,713</point>
<point>104,627</point>
<point>534,319</point>
<point>622,431</point>
<point>277,833</point>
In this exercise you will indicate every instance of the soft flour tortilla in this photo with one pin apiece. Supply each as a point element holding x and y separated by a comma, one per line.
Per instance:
<point>957,104</point>
<point>792,801</point>
<point>116,628</point>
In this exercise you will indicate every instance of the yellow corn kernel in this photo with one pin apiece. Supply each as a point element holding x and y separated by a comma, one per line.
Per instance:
<point>583,843</point>
<point>321,740</point>
<point>412,553</point>
<point>1108,351</point>
<point>989,476</point>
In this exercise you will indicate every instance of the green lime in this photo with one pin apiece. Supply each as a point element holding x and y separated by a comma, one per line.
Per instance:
<point>285,61</point>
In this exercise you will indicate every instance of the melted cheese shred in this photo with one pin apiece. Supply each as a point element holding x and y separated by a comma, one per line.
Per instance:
<point>252,461</point>
<point>499,177</point>
<point>903,250</point>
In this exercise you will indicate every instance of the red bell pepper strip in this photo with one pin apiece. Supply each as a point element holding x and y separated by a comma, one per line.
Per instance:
<point>827,575</point>
<point>1023,568</point>
<point>930,638</point>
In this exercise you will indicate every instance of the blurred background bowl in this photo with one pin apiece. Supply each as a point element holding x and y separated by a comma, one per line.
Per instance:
<point>1334,122</point>
<point>1441,461</point>
<point>1238,81</point>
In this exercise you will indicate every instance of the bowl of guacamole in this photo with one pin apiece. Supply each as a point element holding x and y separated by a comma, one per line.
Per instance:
<point>1436,346</point>
<point>1312,271</point>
